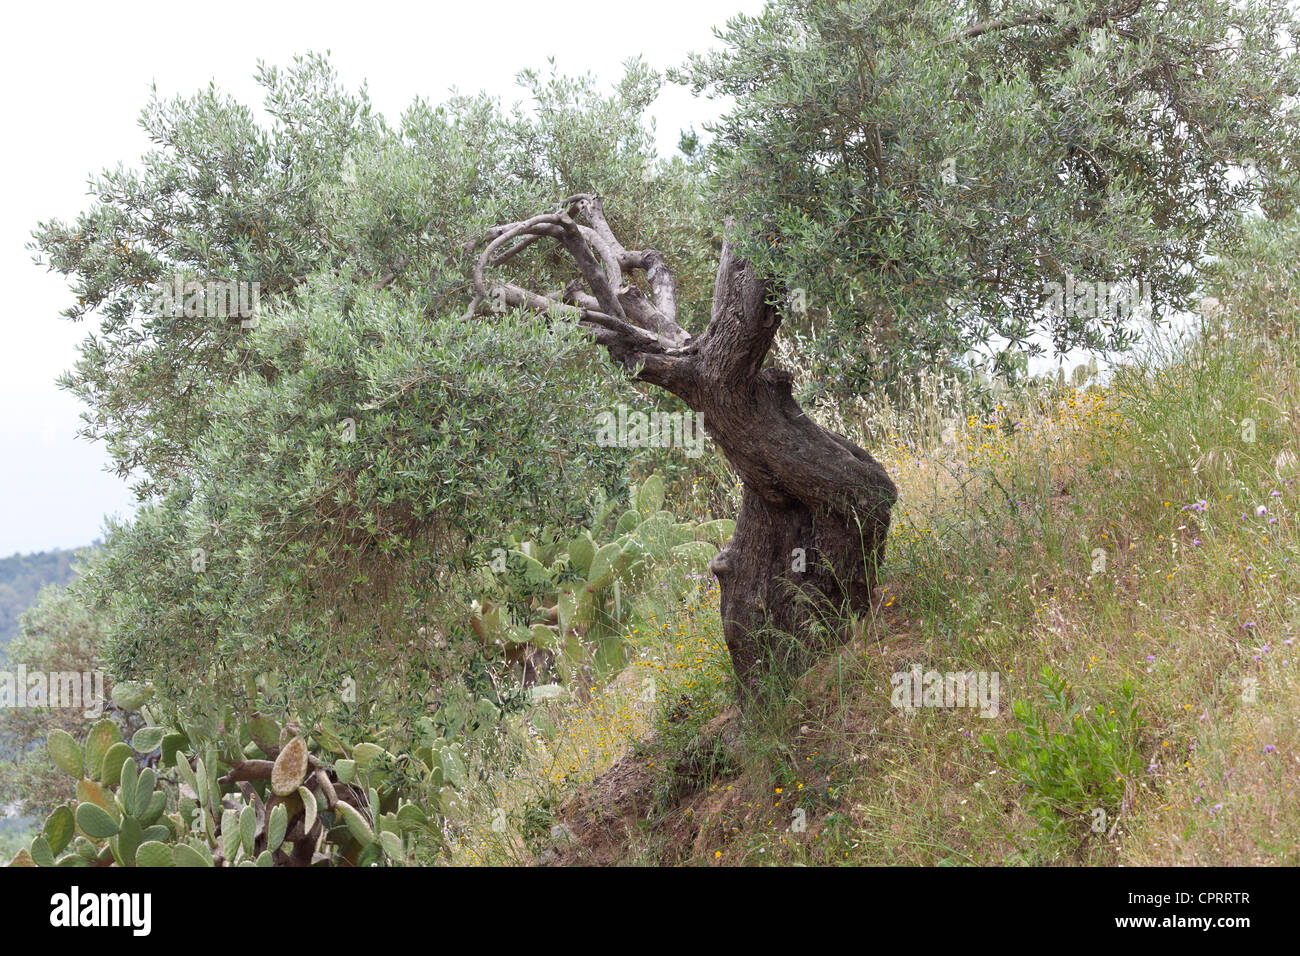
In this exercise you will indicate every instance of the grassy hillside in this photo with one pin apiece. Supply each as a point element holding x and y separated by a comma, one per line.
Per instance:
<point>1123,556</point>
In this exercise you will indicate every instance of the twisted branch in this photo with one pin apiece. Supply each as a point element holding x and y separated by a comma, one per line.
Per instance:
<point>640,331</point>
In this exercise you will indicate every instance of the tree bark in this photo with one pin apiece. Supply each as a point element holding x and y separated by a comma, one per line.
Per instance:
<point>815,509</point>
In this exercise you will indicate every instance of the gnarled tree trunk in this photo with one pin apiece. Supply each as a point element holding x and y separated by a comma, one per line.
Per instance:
<point>815,507</point>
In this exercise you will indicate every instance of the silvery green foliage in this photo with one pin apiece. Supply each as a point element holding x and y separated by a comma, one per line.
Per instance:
<point>921,173</point>
<point>1259,280</point>
<point>318,482</point>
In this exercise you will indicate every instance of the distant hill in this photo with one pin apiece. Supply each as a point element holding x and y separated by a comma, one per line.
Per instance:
<point>21,578</point>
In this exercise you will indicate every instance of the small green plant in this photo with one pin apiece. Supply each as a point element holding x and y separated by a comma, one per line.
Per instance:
<point>1076,762</point>
<point>538,819</point>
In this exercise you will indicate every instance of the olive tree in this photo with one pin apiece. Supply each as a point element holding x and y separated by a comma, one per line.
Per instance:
<point>919,175</point>
<point>321,477</point>
<point>908,181</point>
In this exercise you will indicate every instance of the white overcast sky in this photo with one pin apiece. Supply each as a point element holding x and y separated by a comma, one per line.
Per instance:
<point>75,76</point>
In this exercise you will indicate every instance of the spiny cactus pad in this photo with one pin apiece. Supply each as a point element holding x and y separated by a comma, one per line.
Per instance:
<point>65,752</point>
<point>95,822</point>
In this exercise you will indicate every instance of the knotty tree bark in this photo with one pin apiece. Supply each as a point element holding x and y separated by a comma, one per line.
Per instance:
<point>815,507</point>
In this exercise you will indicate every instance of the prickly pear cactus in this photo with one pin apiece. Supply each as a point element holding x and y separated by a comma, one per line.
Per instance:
<point>262,796</point>
<point>571,601</point>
